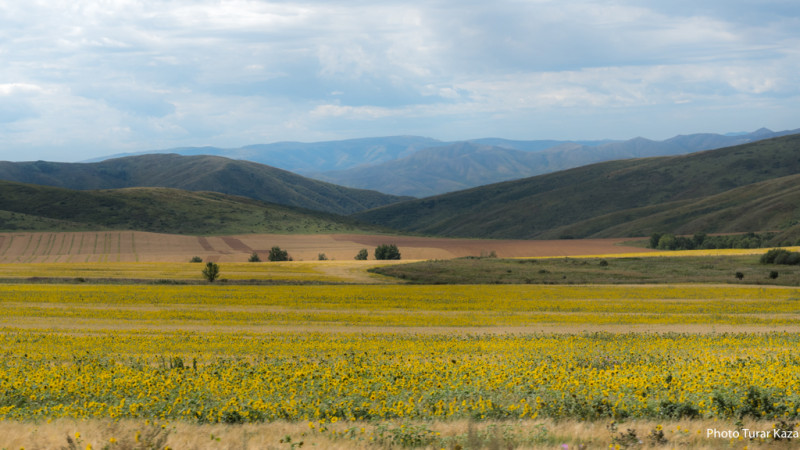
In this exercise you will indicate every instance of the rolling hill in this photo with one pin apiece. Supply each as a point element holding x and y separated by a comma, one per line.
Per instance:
<point>418,166</point>
<point>198,173</point>
<point>163,210</point>
<point>463,165</point>
<point>751,187</point>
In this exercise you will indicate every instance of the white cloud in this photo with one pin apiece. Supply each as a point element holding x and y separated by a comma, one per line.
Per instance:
<point>227,73</point>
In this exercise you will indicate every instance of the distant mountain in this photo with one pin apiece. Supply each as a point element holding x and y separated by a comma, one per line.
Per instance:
<point>751,187</point>
<point>390,164</point>
<point>463,165</point>
<point>199,173</point>
<point>447,168</point>
<point>302,157</point>
<point>162,210</point>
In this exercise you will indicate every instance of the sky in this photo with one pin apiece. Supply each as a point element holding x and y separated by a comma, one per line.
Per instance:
<point>84,78</point>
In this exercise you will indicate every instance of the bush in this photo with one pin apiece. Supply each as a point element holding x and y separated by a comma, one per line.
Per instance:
<point>771,255</point>
<point>362,255</point>
<point>780,256</point>
<point>667,241</point>
<point>196,259</point>
<point>211,272</point>
<point>254,258</point>
<point>387,251</point>
<point>278,254</point>
<point>322,257</point>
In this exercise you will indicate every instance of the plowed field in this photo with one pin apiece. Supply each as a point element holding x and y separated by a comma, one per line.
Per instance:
<point>135,246</point>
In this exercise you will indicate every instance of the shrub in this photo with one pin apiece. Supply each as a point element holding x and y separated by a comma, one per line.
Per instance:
<point>322,257</point>
<point>211,272</point>
<point>771,255</point>
<point>196,259</point>
<point>739,275</point>
<point>781,256</point>
<point>254,258</point>
<point>773,274</point>
<point>654,238</point>
<point>387,251</point>
<point>362,255</point>
<point>278,254</point>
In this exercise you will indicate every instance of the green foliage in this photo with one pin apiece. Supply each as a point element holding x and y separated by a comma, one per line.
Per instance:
<point>254,258</point>
<point>654,239</point>
<point>387,251</point>
<point>196,259</point>
<point>322,257</point>
<point>278,254</point>
<point>668,241</point>
<point>211,271</point>
<point>362,255</point>
<point>406,435</point>
<point>781,256</point>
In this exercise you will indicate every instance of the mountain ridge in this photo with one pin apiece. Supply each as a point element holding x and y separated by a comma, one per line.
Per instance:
<point>162,210</point>
<point>444,174</point>
<point>382,163</point>
<point>555,205</point>
<point>198,173</point>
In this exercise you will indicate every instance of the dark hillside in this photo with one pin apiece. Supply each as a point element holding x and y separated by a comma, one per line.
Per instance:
<point>540,206</point>
<point>162,210</point>
<point>198,173</point>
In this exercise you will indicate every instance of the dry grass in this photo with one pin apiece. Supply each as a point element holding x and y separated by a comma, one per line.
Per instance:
<point>526,434</point>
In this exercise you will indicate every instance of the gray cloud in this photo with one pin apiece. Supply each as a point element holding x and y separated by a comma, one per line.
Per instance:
<point>160,74</point>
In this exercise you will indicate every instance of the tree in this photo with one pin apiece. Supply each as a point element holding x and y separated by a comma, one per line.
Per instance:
<point>362,255</point>
<point>322,257</point>
<point>211,272</point>
<point>654,238</point>
<point>278,254</point>
<point>387,251</point>
<point>254,258</point>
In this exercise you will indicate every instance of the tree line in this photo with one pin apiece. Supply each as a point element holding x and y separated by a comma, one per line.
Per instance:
<point>668,241</point>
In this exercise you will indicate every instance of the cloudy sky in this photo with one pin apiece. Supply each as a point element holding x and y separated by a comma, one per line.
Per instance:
<point>85,78</point>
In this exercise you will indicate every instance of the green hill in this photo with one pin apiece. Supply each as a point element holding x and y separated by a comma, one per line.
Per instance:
<point>199,173</point>
<point>688,193</point>
<point>35,208</point>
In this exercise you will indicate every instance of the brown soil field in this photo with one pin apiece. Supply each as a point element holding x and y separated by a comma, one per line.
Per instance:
<point>137,246</point>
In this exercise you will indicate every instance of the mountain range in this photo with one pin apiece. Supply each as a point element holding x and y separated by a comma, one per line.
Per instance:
<point>420,167</point>
<point>750,187</point>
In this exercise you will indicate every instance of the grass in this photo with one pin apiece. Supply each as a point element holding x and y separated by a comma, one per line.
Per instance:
<point>354,307</point>
<point>527,434</point>
<point>294,272</point>
<point>643,269</point>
